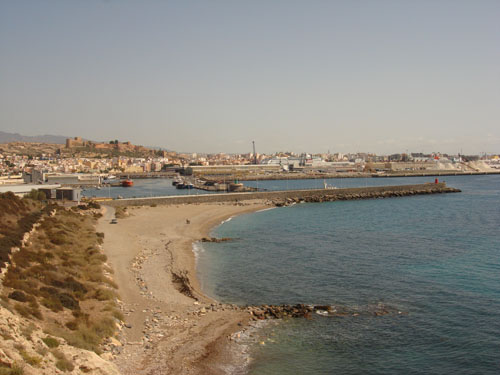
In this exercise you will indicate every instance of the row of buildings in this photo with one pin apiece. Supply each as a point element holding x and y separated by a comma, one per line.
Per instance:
<point>52,167</point>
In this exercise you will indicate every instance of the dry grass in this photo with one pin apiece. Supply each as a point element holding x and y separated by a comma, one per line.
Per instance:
<point>62,363</point>
<point>32,360</point>
<point>60,280</point>
<point>17,217</point>
<point>15,369</point>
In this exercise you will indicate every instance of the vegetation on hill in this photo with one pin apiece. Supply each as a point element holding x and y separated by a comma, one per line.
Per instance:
<point>59,279</point>
<point>17,217</point>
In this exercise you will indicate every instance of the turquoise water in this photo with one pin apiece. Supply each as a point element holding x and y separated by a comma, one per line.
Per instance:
<point>435,257</point>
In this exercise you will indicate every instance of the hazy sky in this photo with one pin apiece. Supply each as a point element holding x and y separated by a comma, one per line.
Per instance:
<point>209,76</point>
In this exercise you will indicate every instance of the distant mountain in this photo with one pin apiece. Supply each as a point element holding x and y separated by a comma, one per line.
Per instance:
<point>15,137</point>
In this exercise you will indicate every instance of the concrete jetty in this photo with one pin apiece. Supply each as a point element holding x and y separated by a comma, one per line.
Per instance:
<point>284,197</point>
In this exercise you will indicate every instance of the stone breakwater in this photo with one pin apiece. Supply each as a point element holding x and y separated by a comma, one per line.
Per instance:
<point>310,195</point>
<point>362,195</point>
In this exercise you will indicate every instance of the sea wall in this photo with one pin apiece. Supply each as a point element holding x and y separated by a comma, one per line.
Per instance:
<point>287,196</point>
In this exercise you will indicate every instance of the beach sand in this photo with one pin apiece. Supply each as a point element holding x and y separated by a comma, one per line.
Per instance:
<point>170,326</point>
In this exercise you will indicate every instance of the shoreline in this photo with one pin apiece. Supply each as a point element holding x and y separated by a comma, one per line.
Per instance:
<point>171,326</point>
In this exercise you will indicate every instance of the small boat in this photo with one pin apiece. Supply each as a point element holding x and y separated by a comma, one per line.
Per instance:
<point>328,187</point>
<point>127,183</point>
<point>322,312</point>
<point>180,185</point>
<point>189,186</point>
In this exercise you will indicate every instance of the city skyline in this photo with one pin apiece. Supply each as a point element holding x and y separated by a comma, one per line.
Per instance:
<point>382,77</point>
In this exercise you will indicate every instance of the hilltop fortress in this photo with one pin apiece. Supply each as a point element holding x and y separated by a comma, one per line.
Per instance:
<point>77,142</point>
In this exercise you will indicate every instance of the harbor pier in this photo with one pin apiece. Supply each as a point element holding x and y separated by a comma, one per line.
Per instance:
<point>284,197</point>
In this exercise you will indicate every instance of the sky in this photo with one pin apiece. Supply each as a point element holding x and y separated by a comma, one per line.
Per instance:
<point>313,76</point>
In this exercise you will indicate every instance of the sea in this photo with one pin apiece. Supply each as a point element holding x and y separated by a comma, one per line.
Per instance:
<point>433,260</point>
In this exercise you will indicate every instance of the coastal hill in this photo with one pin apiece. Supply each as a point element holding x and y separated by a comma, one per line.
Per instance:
<point>58,308</point>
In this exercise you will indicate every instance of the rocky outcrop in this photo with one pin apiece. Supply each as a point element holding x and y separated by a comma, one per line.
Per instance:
<point>265,312</point>
<point>217,240</point>
<point>305,311</point>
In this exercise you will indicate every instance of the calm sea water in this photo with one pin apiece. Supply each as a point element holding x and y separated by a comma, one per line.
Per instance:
<point>147,187</point>
<point>435,257</point>
<point>154,187</point>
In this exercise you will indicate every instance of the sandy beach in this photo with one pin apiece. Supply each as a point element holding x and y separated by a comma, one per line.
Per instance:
<point>170,326</point>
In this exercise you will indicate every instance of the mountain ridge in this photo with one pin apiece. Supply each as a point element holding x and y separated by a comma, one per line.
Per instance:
<point>6,137</point>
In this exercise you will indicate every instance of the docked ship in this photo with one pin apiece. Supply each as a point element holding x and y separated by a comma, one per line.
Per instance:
<point>127,183</point>
<point>184,185</point>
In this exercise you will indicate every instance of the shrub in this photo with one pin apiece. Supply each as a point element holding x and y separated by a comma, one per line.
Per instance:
<point>30,310</point>
<point>32,360</point>
<point>50,342</point>
<point>118,314</point>
<point>104,294</point>
<point>15,369</point>
<point>36,195</point>
<point>72,325</point>
<point>42,350</point>
<point>52,303</point>
<point>23,310</point>
<point>17,295</point>
<point>47,291</point>
<point>28,331</point>
<point>94,204</point>
<point>75,286</point>
<point>57,238</point>
<point>68,301</point>
<point>63,363</point>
